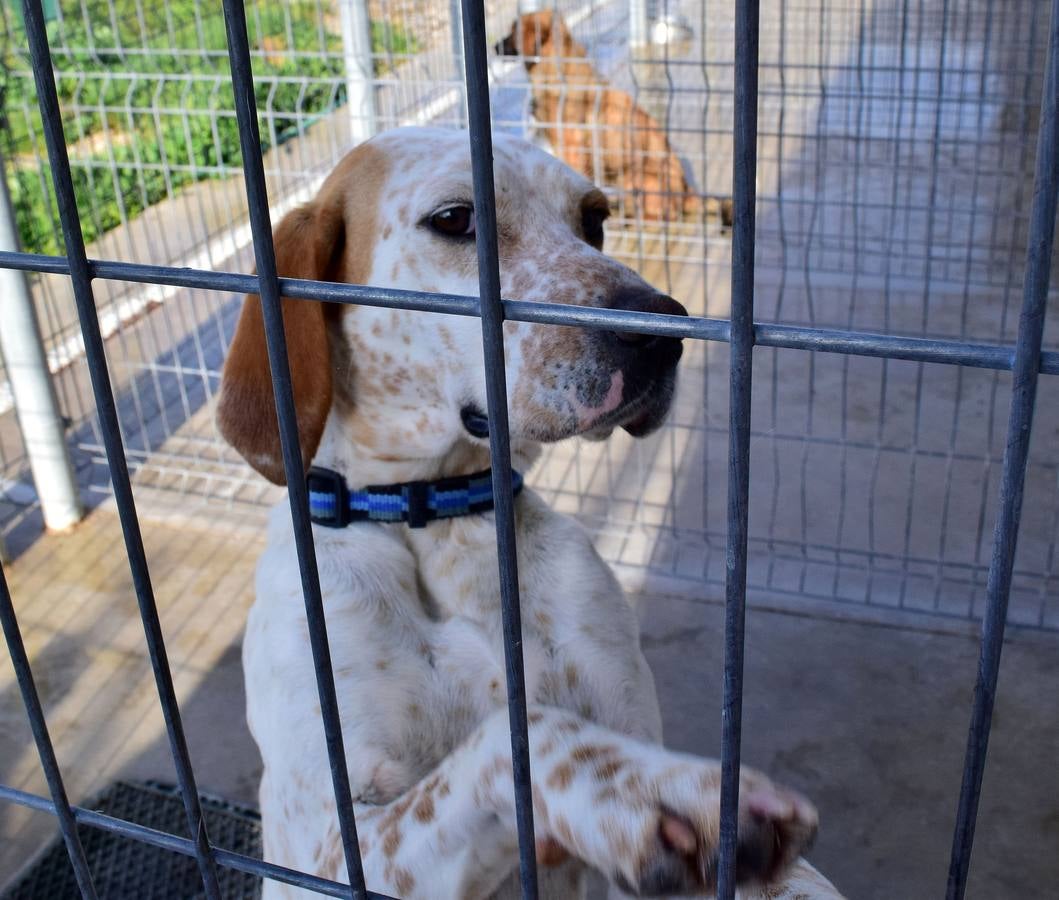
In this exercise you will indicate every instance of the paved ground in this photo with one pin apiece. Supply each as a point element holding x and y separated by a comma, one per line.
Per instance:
<point>868,720</point>
<point>74,598</point>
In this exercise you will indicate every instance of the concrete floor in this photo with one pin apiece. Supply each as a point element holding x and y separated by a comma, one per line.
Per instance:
<point>868,720</point>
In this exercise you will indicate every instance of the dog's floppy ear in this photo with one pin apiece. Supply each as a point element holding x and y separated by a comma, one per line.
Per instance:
<point>309,243</point>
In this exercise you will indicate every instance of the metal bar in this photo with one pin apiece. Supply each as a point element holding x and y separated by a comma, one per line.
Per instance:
<point>269,291</point>
<point>36,405</point>
<point>766,334</point>
<point>81,280</point>
<point>642,14</point>
<point>492,314</point>
<point>740,386</point>
<point>60,804</point>
<point>456,40</point>
<point>177,844</point>
<point>356,54</point>
<point>1016,453</point>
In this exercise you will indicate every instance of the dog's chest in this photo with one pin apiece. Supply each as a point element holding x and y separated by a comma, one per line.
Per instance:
<point>416,634</point>
<point>578,634</point>
<point>462,590</point>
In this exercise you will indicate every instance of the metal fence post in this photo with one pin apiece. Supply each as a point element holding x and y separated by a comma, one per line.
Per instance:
<point>356,52</point>
<point>456,37</point>
<point>744,235</point>
<point>641,14</point>
<point>36,406</point>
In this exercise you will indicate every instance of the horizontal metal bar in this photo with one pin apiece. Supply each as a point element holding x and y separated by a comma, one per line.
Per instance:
<point>888,346</point>
<point>173,842</point>
<point>766,334</point>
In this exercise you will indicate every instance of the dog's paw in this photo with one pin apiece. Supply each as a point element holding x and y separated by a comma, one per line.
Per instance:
<point>376,780</point>
<point>653,825</point>
<point>776,826</point>
<point>681,856</point>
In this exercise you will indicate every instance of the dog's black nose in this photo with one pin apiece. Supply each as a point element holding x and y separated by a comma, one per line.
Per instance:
<point>645,300</point>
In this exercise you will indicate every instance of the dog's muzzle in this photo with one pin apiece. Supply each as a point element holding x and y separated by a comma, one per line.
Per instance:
<point>506,47</point>
<point>643,353</point>
<point>647,363</point>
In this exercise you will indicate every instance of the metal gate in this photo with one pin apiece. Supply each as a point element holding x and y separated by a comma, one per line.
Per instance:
<point>1025,359</point>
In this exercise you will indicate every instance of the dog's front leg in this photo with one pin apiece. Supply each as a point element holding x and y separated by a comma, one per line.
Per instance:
<point>453,835</point>
<point>644,816</point>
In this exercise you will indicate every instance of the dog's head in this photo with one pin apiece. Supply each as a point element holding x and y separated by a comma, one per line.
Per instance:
<point>541,33</point>
<point>405,387</point>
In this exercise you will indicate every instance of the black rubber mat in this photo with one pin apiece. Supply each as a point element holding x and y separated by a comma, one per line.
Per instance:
<point>126,869</point>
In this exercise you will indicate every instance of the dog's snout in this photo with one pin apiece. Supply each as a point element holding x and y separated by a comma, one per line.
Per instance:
<point>652,302</point>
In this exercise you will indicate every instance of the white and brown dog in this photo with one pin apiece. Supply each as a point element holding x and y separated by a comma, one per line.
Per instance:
<point>391,397</point>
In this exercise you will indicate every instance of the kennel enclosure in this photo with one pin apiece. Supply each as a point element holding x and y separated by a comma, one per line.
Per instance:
<point>909,187</point>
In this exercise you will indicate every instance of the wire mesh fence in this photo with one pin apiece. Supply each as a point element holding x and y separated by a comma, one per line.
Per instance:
<point>895,172</point>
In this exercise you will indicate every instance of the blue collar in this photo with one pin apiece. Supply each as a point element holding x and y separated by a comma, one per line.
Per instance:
<point>333,504</point>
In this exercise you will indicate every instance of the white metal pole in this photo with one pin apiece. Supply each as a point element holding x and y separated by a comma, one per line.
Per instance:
<point>456,36</point>
<point>639,22</point>
<point>356,51</point>
<point>31,387</point>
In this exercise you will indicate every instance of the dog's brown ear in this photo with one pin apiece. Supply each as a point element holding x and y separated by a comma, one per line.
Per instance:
<point>309,243</point>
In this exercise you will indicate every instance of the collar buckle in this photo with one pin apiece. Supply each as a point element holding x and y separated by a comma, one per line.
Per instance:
<point>326,481</point>
<point>416,494</point>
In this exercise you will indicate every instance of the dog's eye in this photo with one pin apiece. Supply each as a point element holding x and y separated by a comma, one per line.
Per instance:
<point>592,226</point>
<point>454,221</point>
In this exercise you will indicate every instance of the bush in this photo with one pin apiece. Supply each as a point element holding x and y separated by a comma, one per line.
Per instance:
<point>170,129</point>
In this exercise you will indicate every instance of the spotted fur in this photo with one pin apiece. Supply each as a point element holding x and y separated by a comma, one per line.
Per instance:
<point>413,615</point>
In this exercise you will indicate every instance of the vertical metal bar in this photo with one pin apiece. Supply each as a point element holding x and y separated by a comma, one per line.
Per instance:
<point>36,405</point>
<point>48,762</point>
<point>492,313</point>
<point>1020,421</point>
<point>275,338</point>
<point>81,280</point>
<point>741,361</point>
<point>356,53</point>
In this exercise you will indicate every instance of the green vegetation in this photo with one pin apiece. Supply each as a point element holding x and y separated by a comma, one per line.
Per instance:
<point>148,105</point>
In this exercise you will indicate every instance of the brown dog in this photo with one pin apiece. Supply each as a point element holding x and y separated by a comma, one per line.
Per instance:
<point>596,129</point>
